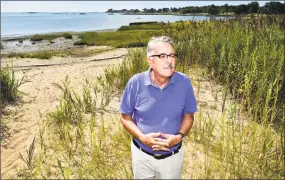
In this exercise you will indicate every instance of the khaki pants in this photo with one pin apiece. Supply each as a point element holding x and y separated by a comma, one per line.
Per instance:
<point>147,167</point>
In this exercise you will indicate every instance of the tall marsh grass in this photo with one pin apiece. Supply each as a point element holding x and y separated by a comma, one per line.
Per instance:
<point>246,56</point>
<point>10,85</point>
<point>233,148</point>
<point>38,55</point>
<point>135,35</point>
<point>117,39</point>
<point>117,76</point>
<point>79,142</point>
<point>40,37</point>
<point>142,26</point>
<point>80,52</point>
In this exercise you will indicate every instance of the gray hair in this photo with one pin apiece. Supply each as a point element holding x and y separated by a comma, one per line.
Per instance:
<point>158,39</point>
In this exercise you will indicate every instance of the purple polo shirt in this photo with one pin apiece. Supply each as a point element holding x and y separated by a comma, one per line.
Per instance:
<point>158,110</point>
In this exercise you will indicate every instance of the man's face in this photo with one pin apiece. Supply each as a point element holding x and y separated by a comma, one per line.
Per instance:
<point>163,65</point>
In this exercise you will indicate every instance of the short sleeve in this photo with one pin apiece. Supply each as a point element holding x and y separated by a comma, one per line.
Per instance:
<point>190,101</point>
<point>127,104</point>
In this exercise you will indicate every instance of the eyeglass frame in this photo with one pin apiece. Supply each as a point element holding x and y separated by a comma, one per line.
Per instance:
<point>174,56</point>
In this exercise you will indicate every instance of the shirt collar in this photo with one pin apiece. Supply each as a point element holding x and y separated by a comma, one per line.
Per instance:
<point>147,79</point>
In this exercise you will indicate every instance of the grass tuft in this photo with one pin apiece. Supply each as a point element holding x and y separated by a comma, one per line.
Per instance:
<point>133,38</point>
<point>10,85</point>
<point>49,37</point>
<point>60,53</point>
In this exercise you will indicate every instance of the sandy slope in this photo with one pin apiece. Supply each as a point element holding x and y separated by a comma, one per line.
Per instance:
<point>42,97</point>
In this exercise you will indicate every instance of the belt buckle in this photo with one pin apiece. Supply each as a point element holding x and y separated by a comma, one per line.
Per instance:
<point>157,155</point>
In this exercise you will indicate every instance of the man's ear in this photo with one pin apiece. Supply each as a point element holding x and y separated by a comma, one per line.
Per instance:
<point>149,61</point>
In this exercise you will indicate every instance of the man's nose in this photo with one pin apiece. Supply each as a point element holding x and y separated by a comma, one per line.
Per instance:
<point>168,59</point>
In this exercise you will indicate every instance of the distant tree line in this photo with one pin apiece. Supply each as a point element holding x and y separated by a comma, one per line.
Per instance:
<point>253,7</point>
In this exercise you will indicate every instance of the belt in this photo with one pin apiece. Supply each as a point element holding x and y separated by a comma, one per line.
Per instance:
<point>158,156</point>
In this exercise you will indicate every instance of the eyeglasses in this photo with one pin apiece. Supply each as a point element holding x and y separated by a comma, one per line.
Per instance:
<point>165,56</point>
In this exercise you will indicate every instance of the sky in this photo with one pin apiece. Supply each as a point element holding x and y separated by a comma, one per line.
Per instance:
<point>103,6</point>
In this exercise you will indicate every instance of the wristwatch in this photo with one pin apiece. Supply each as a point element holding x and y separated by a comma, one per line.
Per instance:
<point>181,134</point>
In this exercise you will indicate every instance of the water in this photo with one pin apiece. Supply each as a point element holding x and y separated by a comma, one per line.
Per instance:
<point>18,24</point>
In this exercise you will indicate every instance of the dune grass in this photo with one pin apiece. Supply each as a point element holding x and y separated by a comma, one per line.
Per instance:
<point>37,55</point>
<point>10,85</point>
<point>239,56</point>
<point>240,142</point>
<point>81,144</point>
<point>152,25</point>
<point>141,26</point>
<point>40,37</point>
<point>233,148</point>
<point>76,52</point>
<point>117,39</point>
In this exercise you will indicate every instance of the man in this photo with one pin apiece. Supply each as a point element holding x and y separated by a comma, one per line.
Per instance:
<point>157,109</point>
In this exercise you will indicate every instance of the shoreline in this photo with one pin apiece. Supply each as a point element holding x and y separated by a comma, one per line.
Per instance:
<point>15,37</point>
<point>176,14</point>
